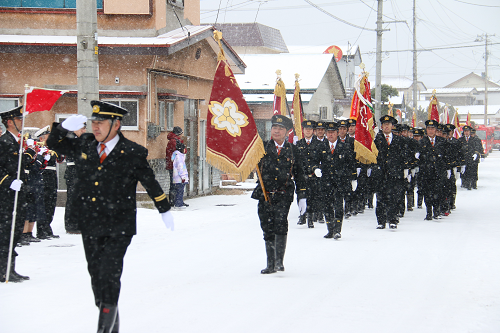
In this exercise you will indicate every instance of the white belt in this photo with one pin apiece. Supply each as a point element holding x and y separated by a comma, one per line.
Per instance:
<point>70,163</point>
<point>50,168</point>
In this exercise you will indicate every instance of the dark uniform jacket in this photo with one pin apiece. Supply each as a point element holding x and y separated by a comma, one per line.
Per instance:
<point>473,146</point>
<point>310,155</point>
<point>277,172</point>
<point>9,159</point>
<point>391,159</point>
<point>105,193</point>
<point>433,161</point>
<point>339,168</point>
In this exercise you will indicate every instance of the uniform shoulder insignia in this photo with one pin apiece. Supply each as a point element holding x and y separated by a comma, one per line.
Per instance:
<point>84,156</point>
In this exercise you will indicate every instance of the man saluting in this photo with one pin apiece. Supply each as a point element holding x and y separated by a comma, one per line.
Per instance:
<point>108,169</point>
<point>277,167</point>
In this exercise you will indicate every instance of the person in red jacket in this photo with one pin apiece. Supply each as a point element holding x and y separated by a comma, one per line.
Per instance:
<point>173,137</point>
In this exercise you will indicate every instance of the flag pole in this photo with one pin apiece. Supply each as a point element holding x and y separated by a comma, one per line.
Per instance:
<point>262,183</point>
<point>16,195</point>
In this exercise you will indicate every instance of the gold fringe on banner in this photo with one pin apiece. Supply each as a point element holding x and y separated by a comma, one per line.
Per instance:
<point>253,154</point>
<point>280,91</point>
<point>364,155</point>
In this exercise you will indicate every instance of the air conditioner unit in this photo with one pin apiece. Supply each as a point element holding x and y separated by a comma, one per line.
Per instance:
<point>153,131</point>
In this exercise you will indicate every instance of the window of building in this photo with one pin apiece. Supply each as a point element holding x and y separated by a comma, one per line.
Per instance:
<point>323,112</point>
<point>178,3</point>
<point>166,114</point>
<point>8,103</point>
<point>130,120</point>
<point>43,3</point>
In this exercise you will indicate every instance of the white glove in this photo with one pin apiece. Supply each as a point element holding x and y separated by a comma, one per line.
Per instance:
<point>462,169</point>
<point>302,206</point>
<point>43,150</point>
<point>74,122</point>
<point>358,170</point>
<point>448,174</point>
<point>168,219</point>
<point>354,184</point>
<point>406,172</point>
<point>369,172</point>
<point>474,157</point>
<point>30,142</point>
<point>482,159</point>
<point>417,169</point>
<point>295,139</point>
<point>16,185</point>
<point>408,178</point>
<point>318,173</point>
<point>413,172</point>
<point>417,155</point>
<point>47,157</point>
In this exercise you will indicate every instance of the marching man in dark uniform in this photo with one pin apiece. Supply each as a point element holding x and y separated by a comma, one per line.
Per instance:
<point>9,184</point>
<point>49,175</point>
<point>433,168</point>
<point>281,173</point>
<point>472,149</point>
<point>109,166</point>
<point>349,198</point>
<point>390,173</point>
<point>338,169</point>
<point>310,149</point>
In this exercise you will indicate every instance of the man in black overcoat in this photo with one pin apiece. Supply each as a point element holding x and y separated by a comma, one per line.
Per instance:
<point>108,168</point>
<point>9,160</point>
<point>338,172</point>
<point>310,149</point>
<point>349,198</point>
<point>390,173</point>
<point>472,149</point>
<point>433,167</point>
<point>281,173</point>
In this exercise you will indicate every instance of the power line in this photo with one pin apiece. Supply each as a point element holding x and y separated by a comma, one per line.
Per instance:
<point>477,4</point>
<point>432,49</point>
<point>337,18</point>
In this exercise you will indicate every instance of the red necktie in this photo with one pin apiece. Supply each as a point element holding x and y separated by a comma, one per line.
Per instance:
<point>387,138</point>
<point>432,141</point>
<point>308,142</point>
<point>332,149</point>
<point>279,150</point>
<point>102,153</point>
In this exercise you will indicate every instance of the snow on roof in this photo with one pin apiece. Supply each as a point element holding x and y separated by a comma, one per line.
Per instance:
<point>308,49</point>
<point>269,98</point>
<point>261,70</point>
<point>476,109</point>
<point>169,38</point>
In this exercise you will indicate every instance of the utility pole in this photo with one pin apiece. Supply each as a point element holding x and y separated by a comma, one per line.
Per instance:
<point>414,58</point>
<point>87,55</point>
<point>378,74</point>
<point>480,38</point>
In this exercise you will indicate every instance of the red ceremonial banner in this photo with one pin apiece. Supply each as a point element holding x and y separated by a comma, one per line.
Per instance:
<point>38,99</point>
<point>432,110</point>
<point>233,142</point>
<point>364,147</point>
<point>298,113</point>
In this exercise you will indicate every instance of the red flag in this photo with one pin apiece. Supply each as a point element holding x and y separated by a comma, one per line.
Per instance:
<point>432,110</point>
<point>233,143</point>
<point>38,99</point>
<point>366,151</point>
<point>279,96</point>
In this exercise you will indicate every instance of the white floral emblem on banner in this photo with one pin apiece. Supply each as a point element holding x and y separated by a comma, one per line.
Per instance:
<point>227,117</point>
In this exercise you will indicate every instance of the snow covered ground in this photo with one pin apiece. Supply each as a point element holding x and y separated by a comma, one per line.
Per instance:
<point>425,277</point>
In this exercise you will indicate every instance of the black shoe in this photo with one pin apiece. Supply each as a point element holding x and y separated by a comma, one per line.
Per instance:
<point>12,278</point>
<point>185,204</point>
<point>453,207</point>
<point>401,215</point>
<point>302,219</point>
<point>428,217</point>
<point>74,232</point>
<point>410,209</point>
<point>43,236</point>
<point>347,215</point>
<point>30,238</point>
<point>329,225</point>
<point>310,222</point>
<point>393,225</point>
<point>280,252</point>
<point>337,235</point>
<point>419,207</point>
<point>381,226</point>
<point>437,217</point>
<point>271,258</point>
<point>54,236</point>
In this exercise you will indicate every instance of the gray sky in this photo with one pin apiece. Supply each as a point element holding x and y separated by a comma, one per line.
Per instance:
<point>440,24</point>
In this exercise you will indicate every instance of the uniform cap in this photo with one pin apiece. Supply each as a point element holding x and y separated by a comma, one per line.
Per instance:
<point>431,123</point>
<point>466,128</point>
<point>320,124</point>
<point>352,122</point>
<point>16,112</point>
<point>309,124</point>
<point>397,128</point>
<point>341,123</point>
<point>331,126</point>
<point>418,131</point>
<point>280,120</point>
<point>42,131</point>
<point>104,110</point>
<point>388,119</point>
<point>405,127</point>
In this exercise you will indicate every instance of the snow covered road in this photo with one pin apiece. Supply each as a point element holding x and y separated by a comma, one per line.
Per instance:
<point>424,277</point>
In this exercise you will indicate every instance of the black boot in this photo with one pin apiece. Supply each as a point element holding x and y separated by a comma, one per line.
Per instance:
<point>310,220</point>
<point>30,238</point>
<point>116,326</point>
<point>329,225</point>
<point>429,213</point>
<point>420,199</point>
<point>3,273</point>
<point>302,219</point>
<point>271,258</point>
<point>410,202</point>
<point>337,228</point>
<point>107,318</point>
<point>14,273</point>
<point>280,252</point>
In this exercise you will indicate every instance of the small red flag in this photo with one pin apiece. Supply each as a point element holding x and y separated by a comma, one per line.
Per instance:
<point>38,99</point>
